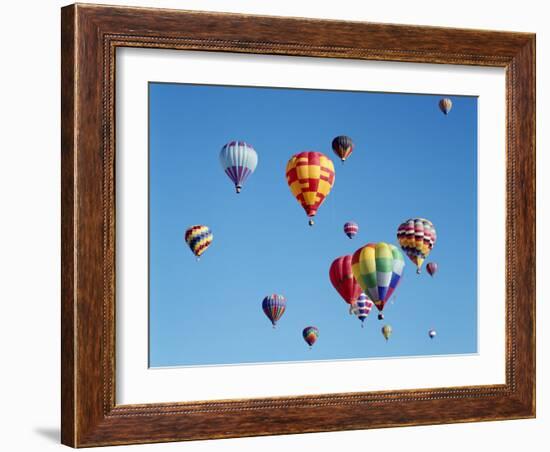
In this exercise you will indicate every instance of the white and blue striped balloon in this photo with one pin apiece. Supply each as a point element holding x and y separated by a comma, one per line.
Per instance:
<point>238,160</point>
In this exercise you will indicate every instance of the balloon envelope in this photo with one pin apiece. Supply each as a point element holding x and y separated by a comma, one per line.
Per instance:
<point>387,331</point>
<point>310,335</point>
<point>341,277</point>
<point>342,146</point>
<point>351,229</point>
<point>310,177</point>
<point>417,237</point>
<point>378,268</point>
<point>199,238</point>
<point>274,307</point>
<point>238,160</point>
<point>431,267</point>
<point>445,105</point>
<point>362,307</point>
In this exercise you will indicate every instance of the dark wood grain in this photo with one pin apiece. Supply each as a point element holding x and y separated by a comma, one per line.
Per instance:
<point>90,36</point>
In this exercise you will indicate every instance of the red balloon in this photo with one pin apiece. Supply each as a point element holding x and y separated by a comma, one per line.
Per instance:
<point>341,277</point>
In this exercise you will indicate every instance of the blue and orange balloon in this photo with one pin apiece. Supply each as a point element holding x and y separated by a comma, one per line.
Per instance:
<point>274,307</point>
<point>199,237</point>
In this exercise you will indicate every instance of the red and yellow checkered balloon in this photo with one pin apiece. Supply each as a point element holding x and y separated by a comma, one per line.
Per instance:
<point>310,176</point>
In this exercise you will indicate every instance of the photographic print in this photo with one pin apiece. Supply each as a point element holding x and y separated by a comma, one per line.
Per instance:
<point>291,225</point>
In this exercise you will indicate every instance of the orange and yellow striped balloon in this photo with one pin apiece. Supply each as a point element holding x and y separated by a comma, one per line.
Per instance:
<point>310,176</point>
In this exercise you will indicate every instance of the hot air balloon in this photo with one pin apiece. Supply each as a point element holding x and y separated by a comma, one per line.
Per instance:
<point>199,238</point>
<point>417,237</point>
<point>362,307</point>
<point>386,331</point>
<point>310,334</point>
<point>432,333</point>
<point>351,229</point>
<point>238,160</point>
<point>342,147</point>
<point>431,267</point>
<point>445,105</point>
<point>341,277</point>
<point>378,267</point>
<point>274,307</point>
<point>310,176</point>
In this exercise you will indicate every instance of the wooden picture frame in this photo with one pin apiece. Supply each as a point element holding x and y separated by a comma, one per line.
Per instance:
<point>90,36</point>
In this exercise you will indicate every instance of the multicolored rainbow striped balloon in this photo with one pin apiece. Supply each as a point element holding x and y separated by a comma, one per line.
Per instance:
<point>310,176</point>
<point>417,237</point>
<point>199,238</point>
<point>238,160</point>
<point>274,307</point>
<point>310,335</point>
<point>378,268</point>
<point>351,229</point>
<point>361,308</point>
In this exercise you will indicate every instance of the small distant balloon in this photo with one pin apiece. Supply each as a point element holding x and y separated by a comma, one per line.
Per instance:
<point>431,267</point>
<point>238,160</point>
<point>342,147</point>
<point>386,331</point>
<point>274,307</point>
<point>351,229</point>
<point>199,238</point>
<point>361,308</point>
<point>432,333</point>
<point>445,105</point>
<point>310,335</point>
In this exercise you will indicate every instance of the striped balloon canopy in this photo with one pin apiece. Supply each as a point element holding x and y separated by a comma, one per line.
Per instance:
<point>310,177</point>
<point>417,237</point>
<point>274,307</point>
<point>310,334</point>
<point>362,307</point>
<point>351,229</point>
<point>342,146</point>
<point>238,160</point>
<point>378,268</point>
<point>199,238</point>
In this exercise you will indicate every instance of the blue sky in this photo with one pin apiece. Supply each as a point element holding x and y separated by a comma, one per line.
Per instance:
<point>409,161</point>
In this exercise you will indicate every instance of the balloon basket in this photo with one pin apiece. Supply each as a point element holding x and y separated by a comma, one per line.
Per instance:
<point>311,222</point>
<point>238,189</point>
